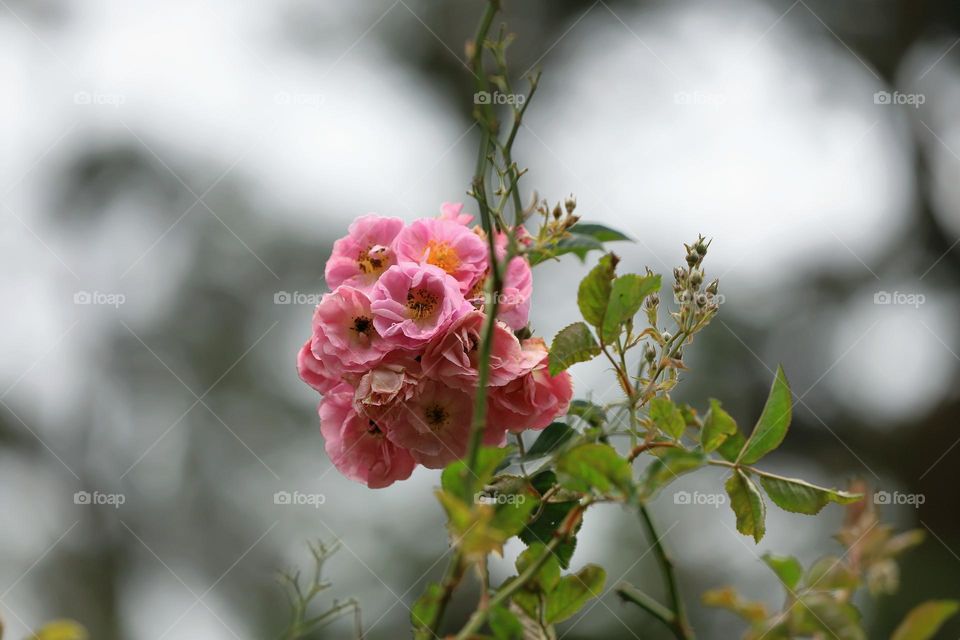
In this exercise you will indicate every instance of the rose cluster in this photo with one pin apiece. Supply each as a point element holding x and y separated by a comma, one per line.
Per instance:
<point>395,347</point>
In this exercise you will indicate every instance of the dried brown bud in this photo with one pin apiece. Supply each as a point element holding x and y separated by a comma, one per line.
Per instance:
<point>570,204</point>
<point>557,212</point>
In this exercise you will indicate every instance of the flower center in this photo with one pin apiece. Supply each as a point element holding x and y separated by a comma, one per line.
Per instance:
<point>436,416</point>
<point>362,325</point>
<point>373,260</point>
<point>442,255</point>
<point>421,303</point>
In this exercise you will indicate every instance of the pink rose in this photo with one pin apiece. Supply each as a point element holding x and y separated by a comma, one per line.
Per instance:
<point>453,357</point>
<point>344,337</point>
<point>454,211</point>
<point>412,303</point>
<point>382,390</point>
<point>514,308</point>
<point>514,300</point>
<point>447,245</point>
<point>532,401</point>
<point>364,253</point>
<point>435,425</point>
<point>358,446</point>
<point>313,371</point>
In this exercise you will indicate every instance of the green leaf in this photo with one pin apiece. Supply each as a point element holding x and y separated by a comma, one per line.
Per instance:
<point>593,295</point>
<point>512,512</point>
<point>595,466</point>
<point>423,614</point>
<point>787,568</point>
<point>772,426</point>
<point>665,468</point>
<point>732,446</point>
<point>504,624</point>
<point>571,345</point>
<point>626,296</point>
<point>925,620</point>
<point>550,439</point>
<point>458,481</point>
<point>59,630</point>
<point>797,496</point>
<point>599,232</point>
<point>591,413</point>
<point>551,516</point>
<point>667,417</point>
<point>831,573</point>
<point>548,575</point>
<point>822,615</point>
<point>579,245</point>
<point>728,598</point>
<point>718,426</point>
<point>747,504</point>
<point>572,592</point>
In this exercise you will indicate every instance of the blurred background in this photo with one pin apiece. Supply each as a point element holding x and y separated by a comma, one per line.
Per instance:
<point>173,175</point>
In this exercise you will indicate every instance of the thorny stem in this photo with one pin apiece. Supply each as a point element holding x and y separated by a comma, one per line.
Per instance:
<point>508,590</point>
<point>680,626</point>
<point>486,118</point>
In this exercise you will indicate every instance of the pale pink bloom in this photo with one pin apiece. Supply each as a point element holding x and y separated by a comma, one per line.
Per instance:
<point>435,425</point>
<point>344,337</point>
<point>514,308</point>
<point>364,253</point>
<point>447,245</point>
<point>453,358</point>
<point>382,390</point>
<point>412,303</point>
<point>454,211</point>
<point>532,401</point>
<point>358,446</point>
<point>313,371</point>
<point>514,299</point>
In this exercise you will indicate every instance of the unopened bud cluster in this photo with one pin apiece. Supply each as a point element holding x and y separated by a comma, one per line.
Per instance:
<point>698,301</point>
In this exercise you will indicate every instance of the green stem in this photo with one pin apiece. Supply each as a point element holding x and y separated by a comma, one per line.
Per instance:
<point>479,419</point>
<point>630,593</point>
<point>681,627</point>
<point>475,623</point>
